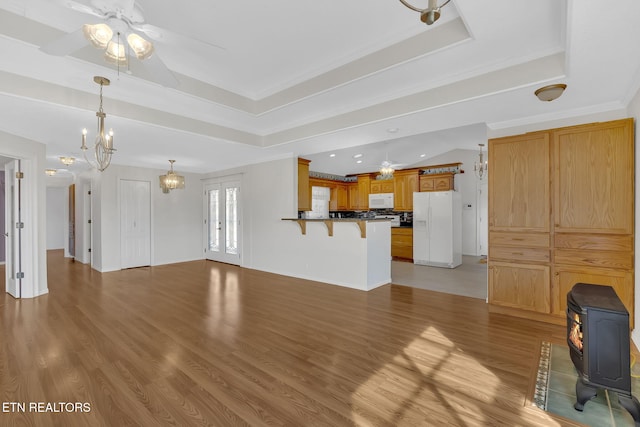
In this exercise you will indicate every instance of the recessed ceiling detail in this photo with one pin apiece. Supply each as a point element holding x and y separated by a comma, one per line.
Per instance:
<point>305,79</point>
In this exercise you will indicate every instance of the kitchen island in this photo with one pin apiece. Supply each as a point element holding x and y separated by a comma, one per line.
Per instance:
<point>350,252</point>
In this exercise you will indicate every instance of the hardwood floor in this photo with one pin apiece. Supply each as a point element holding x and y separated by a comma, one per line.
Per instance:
<point>203,343</point>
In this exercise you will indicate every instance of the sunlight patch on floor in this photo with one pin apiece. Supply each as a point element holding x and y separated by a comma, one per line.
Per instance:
<point>426,377</point>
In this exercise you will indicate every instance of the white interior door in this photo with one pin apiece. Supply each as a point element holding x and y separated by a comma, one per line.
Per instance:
<point>135,223</point>
<point>13,227</point>
<point>222,222</point>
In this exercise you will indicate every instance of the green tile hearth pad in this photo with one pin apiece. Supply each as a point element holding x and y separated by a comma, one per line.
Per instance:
<point>555,391</point>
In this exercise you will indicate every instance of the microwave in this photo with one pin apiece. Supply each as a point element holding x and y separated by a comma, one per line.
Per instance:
<point>381,201</point>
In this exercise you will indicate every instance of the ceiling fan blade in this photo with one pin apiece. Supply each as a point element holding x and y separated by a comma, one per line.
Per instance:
<point>80,7</point>
<point>66,44</point>
<point>159,72</point>
<point>169,37</point>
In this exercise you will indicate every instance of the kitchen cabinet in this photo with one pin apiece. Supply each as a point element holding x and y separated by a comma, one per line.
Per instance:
<point>436,182</point>
<point>405,183</point>
<point>358,193</point>
<point>402,242</point>
<point>341,197</point>
<point>561,212</point>
<point>304,189</point>
<point>382,186</point>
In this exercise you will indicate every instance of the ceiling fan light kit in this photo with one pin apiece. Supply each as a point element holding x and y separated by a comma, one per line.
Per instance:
<point>141,47</point>
<point>429,15</point>
<point>99,35</point>
<point>121,34</point>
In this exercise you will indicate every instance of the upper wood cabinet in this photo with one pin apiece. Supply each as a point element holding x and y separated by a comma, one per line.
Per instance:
<point>405,182</point>
<point>364,188</point>
<point>304,189</point>
<point>594,178</point>
<point>437,182</point>
<point>519,181</point>
<point>382,186</point>
<point>341,197</point>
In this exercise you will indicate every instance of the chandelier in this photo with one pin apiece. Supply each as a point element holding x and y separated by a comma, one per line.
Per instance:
<point>104,141</point>
<point>429,15</point>
<point>171,180</point>
<point>481,166</point>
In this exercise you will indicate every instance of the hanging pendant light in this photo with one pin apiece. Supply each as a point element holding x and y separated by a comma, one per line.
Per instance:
<point>103,146</point>
<point>171,180</point>
<point>481,167</point>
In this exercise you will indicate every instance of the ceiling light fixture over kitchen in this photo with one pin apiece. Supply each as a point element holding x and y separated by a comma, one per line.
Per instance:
<point>171,180</point>
<point>551,92</point>
<point>67,161</point>
<point>481,166</point>
<point>386,170</point>
<point>429,15</point>
<point>104,141</point>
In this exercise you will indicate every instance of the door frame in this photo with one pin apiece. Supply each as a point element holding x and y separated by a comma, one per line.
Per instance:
<point>222,183</point>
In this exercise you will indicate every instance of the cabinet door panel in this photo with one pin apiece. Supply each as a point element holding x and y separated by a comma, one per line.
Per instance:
<point>594,178</point>
<point>519,183</point>
<point>520,286</point>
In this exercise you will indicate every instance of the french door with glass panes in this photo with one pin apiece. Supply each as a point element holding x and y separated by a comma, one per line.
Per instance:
<point>222,222</point>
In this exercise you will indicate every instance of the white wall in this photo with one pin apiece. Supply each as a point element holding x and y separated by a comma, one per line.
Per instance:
<point>176,218</point>
<point>57,199</point>
<point>467,184</point>
<point>268,194</point>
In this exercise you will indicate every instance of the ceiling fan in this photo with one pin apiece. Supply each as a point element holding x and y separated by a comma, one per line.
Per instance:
<point>121,29</point>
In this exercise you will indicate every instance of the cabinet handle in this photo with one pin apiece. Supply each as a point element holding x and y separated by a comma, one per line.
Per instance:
<point>517,253</point>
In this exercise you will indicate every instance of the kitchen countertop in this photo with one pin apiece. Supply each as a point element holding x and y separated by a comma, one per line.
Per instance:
<point>360,222</point>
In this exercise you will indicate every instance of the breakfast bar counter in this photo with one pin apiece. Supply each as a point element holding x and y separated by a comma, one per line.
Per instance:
<point>351,252</point>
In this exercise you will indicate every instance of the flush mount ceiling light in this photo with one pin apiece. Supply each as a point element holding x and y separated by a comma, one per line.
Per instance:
<point>171,180</point>
<point>103,146</point>
<point>50,172</point>
<point>551,92</point>
<point>429,15</point>
<point>67,161</point>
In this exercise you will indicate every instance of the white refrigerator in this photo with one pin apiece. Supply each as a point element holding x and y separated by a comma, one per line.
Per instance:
<point>437,228</point>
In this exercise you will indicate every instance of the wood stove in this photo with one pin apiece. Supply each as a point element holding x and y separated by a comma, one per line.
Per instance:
<point>599,345</point>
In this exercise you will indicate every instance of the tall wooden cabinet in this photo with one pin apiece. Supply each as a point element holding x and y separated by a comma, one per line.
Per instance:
<point>560,212</point>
